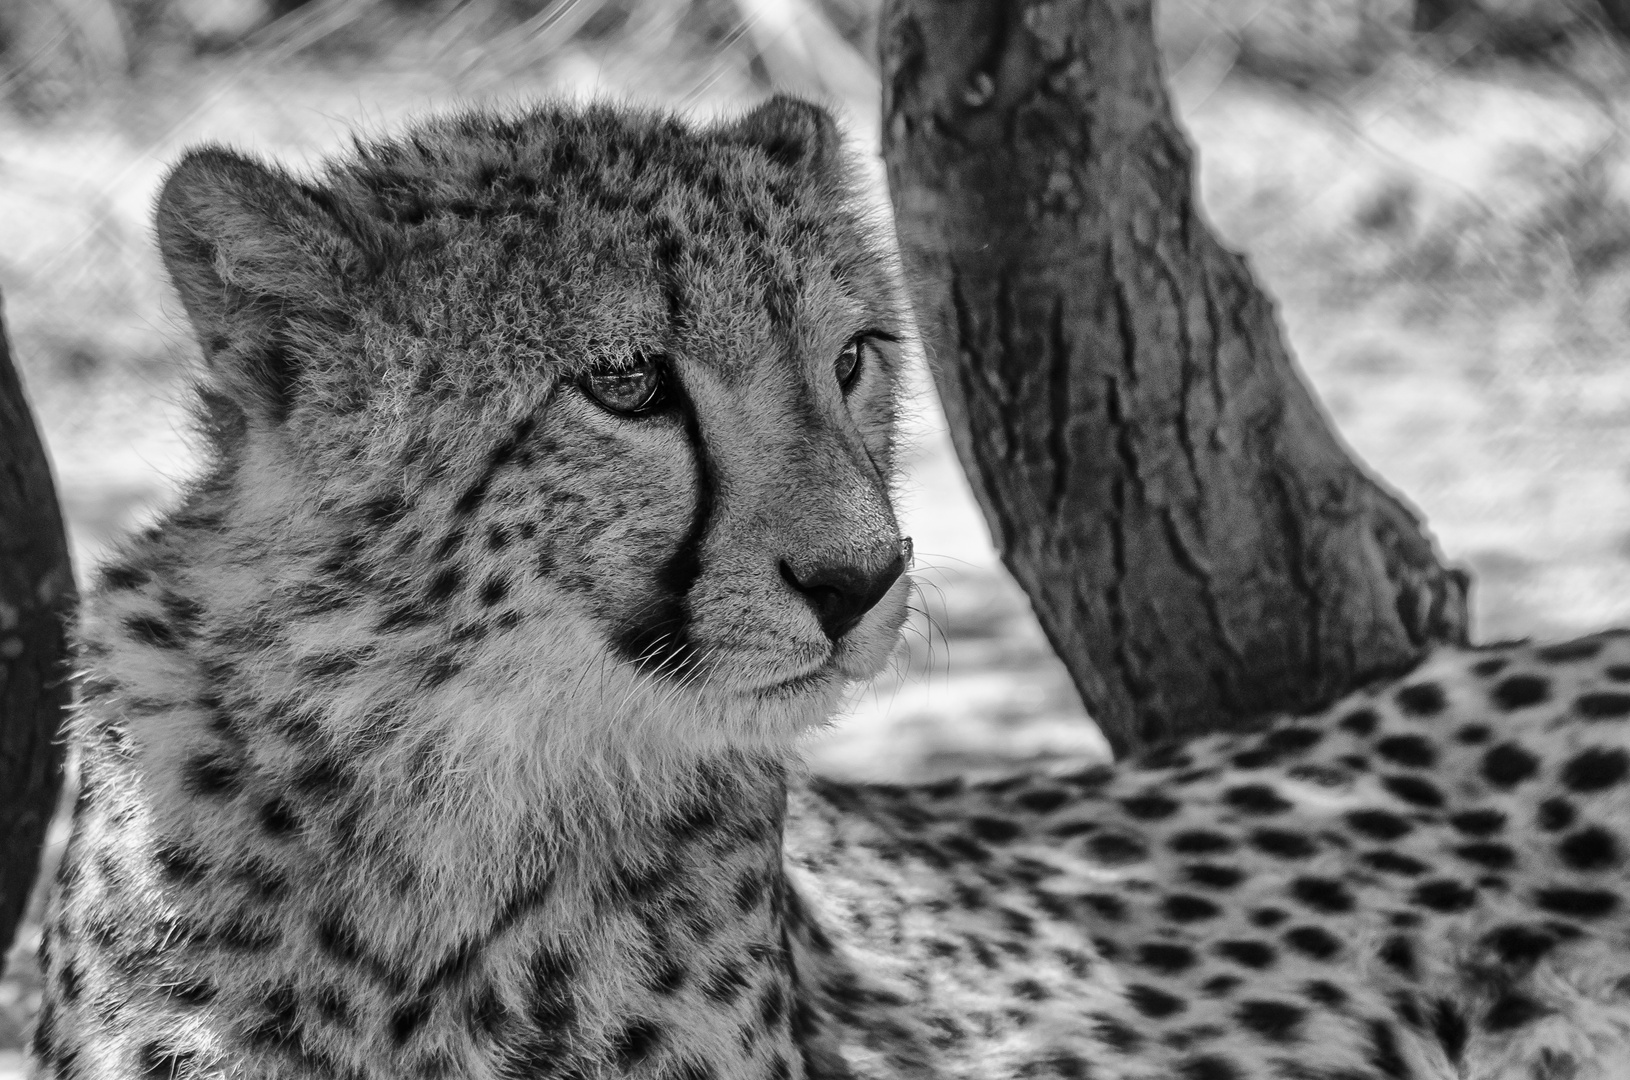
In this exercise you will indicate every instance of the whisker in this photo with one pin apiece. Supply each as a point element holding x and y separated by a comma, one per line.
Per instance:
<point>923,557</point>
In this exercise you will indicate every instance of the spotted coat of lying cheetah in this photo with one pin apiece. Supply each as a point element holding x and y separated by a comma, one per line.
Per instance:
<point>448,727</point>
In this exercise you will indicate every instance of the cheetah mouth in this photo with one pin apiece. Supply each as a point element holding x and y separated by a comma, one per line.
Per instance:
<point>814,679</point>
<point>856,657</point>
<point>840,665</point>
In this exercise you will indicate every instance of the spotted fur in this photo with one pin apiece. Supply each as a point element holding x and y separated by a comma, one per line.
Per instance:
<point>448,726</point>
<point>1426,882</point>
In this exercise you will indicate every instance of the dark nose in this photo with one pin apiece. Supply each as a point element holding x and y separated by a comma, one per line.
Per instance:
<point>842,593</point>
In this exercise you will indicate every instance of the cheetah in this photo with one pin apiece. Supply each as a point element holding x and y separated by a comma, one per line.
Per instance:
<point>449,726</point>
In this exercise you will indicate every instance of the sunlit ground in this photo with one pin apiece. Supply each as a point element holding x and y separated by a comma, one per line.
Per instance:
<point>1449,250</point>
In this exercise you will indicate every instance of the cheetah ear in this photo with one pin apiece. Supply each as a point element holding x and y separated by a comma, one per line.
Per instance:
<point>260,261</point>
<point>796,133</point>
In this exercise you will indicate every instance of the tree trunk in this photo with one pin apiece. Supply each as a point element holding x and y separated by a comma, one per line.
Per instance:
<point>1199,547</point>
<point>36,600</point>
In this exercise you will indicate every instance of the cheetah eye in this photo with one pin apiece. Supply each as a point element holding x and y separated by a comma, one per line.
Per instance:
<point>629,387</point>
<point>847,365</point>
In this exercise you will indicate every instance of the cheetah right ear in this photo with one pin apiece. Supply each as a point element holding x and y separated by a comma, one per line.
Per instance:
<point>261,262</point>
<point>794,132</point>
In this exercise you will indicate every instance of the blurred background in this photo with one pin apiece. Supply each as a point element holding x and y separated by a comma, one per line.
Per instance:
<point>1436,191</point>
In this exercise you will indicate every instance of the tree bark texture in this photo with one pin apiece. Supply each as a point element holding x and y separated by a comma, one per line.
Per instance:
<point>36,601</point>
<point>1199,547</point>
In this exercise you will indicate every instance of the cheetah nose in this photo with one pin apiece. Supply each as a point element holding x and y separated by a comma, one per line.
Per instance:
<point>841,592</point>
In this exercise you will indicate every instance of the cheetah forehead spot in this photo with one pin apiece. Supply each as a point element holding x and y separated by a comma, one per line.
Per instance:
<point>1590,849</point>
<point>1282,843</point>
<point>1187,908</point>
<point>1322,894</point>
<point>1513,1010</point>
<point>1256,799</point>
<point>1361,722</point>
<point>1277,1021</point>
<point>1603,705</point>
<point>1489,855</point>
<point>1117,849</point>
<point>1411,751</point>
<point>1398,953</point>
<point>1378,824</point>
<point>1444,895</point>
<point>1414,790</point>
<point>1165,957</point>
<point>1518,944</point>
<point>1509,764</point>
<point>1578,903</point>
<point>1200,842</point>
<point>1325,993</point>
<point>1596,768</point>
<point>1216,986</point>
<point>1214,876</point>
<point>1154,1003</point>
<point>1393,862</point>
<point>1209,1067</point>
<point>1520,692</point>
<point>1150,806</point>
<point>1421,700</point>
<point>1570,652</point>
<point>1293,738</point>
<point>1313,941</point>
<point>1120,1036</point>
<point>1555,814</point>
<point>1257,955</point>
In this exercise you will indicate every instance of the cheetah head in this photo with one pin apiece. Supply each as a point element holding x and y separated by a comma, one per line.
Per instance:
<point>586,407</point>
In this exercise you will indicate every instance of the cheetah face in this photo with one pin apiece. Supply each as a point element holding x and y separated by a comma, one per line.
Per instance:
<point>716,494</point>
<point>574,385</point>
<point>769,557</point>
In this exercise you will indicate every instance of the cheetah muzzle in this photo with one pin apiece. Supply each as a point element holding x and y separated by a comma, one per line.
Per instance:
<point>448,725</point>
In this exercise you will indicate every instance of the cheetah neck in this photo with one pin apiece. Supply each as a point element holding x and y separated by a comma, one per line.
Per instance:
<point>420,821</point>
<point>298,634</point>
<point>447,755</point>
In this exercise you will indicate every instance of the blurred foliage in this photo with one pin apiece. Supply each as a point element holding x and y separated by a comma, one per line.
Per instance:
<point>1558,234</point>
<point>1519,26</point>
<point>54,53</point>
<point>1308,41</point>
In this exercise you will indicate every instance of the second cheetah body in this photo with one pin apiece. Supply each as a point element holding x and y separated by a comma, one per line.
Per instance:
<point>448,728</point>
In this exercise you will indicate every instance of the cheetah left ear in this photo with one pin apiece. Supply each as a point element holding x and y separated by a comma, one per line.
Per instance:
<point>261,262</point>
<point>793,132</point>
